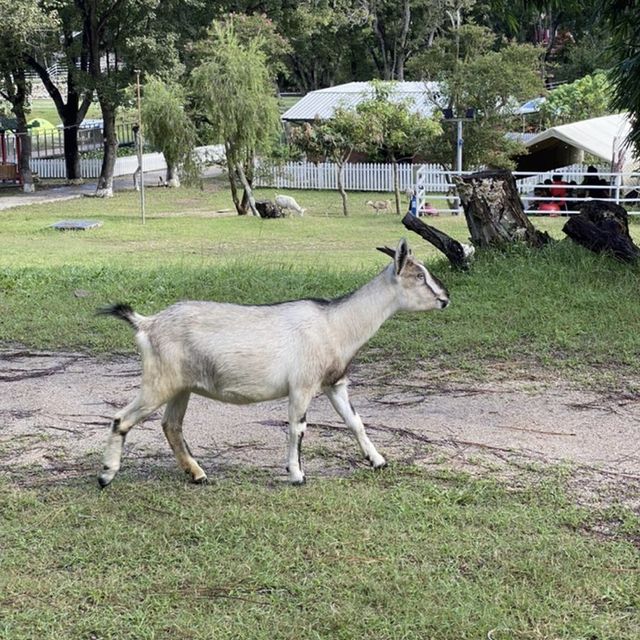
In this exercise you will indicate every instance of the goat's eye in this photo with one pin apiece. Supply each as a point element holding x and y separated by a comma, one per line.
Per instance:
<point>420,276</point>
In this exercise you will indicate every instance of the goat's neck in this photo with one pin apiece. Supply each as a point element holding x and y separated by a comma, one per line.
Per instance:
<point>357,318</point>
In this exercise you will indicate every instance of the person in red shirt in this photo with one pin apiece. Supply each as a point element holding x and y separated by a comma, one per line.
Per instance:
<point>558,190</point>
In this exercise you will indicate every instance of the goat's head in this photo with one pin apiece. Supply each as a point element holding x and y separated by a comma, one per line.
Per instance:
<point>419,290</point>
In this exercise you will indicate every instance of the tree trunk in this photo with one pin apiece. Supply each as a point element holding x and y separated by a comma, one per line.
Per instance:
<point>104,188</point>
<point>268,209</point>
<point>24,166</point>
<point>19,103</point>
<point>343,193</point>
<point>73,111</point>
<point>603,227</point>
<point>457,253</point>
<point>247,189</point>
<point>396,185</point>
<point>72,153</point>
<point>494,211</point>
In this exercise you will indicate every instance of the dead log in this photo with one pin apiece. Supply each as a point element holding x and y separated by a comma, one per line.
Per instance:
<point>268,209</point>
<point>494,212</point>
<point>603,227</point>
<point>452,249</point>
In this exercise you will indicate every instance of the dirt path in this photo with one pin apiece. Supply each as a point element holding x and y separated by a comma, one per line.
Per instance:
<point>55,409</point>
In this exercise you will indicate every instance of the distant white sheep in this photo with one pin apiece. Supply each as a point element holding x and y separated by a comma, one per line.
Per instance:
<point>288,203</point>
<point>379,205</point>
<point>243,354</point>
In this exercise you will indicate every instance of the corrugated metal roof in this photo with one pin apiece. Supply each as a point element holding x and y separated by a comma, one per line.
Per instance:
<point>323,102</point>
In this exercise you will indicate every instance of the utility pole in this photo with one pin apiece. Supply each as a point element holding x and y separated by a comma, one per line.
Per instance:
<point>469,115</point>
<point>140,146</point>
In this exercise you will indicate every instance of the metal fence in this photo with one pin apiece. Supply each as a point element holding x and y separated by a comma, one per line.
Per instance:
<point>50,143</point>
<point>539,195</point>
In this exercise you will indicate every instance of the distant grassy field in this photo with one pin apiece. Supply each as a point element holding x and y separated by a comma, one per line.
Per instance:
<point>560,307</point>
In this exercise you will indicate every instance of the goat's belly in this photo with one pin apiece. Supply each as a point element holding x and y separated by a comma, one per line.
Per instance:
<point>242,394</point>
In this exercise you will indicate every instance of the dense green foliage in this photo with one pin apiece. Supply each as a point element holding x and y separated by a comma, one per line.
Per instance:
<point>167,125</point>
<point>234,96</point>
<point>588,97</point>
<point>624,18</point>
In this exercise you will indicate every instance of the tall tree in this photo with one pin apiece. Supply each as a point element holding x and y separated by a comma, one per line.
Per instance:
<point>333,140</point>
<point>233,93</point>
<point>123,36</point>
<point>470,73</point>
<point>167,125</point>
<point>22,24</point>
<point>624,19</point>
<point>391,131</point>
<point>72,97</point>
<point>401,28</point>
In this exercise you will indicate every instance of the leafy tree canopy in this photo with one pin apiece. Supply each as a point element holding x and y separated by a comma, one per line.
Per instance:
<point>588,97</point>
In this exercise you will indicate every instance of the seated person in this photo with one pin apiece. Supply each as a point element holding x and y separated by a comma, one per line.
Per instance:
<point>559,190</point>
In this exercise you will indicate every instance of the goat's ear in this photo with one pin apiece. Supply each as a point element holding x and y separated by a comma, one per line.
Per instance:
<point>401,255</point>
<point>387,251</point>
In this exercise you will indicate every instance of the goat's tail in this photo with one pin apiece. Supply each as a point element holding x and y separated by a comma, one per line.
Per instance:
<point>122,311</point>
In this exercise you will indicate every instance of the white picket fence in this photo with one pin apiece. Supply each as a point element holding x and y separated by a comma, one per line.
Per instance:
<point>361,176</point>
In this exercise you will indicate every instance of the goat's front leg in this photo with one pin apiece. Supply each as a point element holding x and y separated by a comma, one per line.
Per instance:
<point>298,404</point>
<point>339,397</point>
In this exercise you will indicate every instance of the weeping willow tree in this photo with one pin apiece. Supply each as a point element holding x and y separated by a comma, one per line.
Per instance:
<point>234,95</point>
<point>168,128</point>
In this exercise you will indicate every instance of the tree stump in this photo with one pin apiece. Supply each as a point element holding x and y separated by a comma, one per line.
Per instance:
<point>457,253</point>
<point>603,227</point>
<point>494,212</point>
<point>268,209</point>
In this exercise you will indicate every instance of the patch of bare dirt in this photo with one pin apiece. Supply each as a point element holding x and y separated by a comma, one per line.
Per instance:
<point>55,410</point>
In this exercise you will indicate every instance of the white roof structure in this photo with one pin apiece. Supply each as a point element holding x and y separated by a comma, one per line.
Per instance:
<point>603,137</point>
<point>322,103</point>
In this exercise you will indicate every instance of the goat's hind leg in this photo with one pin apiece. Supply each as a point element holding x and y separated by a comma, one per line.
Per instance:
<point>172,427</point>
<point>124,420</point>
<point>339,397</point>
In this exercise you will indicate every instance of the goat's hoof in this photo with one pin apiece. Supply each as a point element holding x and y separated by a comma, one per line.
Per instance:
<point>379,463</point>
<point>297,480</point>
<point>201,480</point>
<point>105,478</point>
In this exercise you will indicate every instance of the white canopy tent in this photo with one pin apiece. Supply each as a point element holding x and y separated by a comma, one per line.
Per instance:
<point>604,137</point>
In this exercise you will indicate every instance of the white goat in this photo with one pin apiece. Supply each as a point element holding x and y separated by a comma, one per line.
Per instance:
<point>244,354</point>
<point>379,205</point>
<point>287,202</point>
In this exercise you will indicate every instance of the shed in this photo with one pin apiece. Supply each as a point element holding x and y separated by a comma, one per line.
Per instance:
<point>604,137</point>
<point>421,96</point>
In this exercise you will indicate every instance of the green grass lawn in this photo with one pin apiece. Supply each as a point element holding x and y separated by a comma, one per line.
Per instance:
<point>558,307</point>
<point>389,555</point>
<point>401,554</point>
